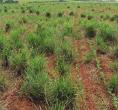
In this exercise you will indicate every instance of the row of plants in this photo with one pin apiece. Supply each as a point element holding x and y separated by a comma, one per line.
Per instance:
<point>28,58</point>
<point>105,34</point>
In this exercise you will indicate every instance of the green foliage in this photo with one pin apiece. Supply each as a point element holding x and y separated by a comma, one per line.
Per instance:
<point>6,52</point>
<point>57,106</point>
<point>67,29</point>
<point>108,33</point>
<point>34,41</point>
<point>90,28</point>
<point>114,66</point>
<point>37,65</point>
<point>18,60</point>
<point>65,51</point>
<point>113,85</point>
<point>45,40</point>
<point>115,51</point>
<point>63,91</point>
<point>63,67</point>
<point>36,80</point>
<point>102,47</point>
<point>8,25</point>
<point>2,40</point>
<point>15,39</point>
<point>90,56</point>
<point>2,83</point>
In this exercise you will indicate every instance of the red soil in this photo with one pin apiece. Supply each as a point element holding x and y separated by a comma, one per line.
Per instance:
<point>13,101</point>
<point>96,95</point>
<point>105,64</point>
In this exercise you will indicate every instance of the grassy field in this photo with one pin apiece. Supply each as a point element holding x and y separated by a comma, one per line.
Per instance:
<point>59,56</point>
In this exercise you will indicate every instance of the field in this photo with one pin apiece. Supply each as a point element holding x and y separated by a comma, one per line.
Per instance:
<point>59,56</point>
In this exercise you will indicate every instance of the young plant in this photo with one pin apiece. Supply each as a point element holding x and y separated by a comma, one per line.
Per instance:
<point>36,80</point>
<point>90,28</point>
<point>113,85</point>
<point>18,61</point>
<point>58,106</point>
<point>114,66</point>
<point>102,47</point>
<point>90,56</point>
<point>4,50</point>
<point>65,51</point>
<point>48,15</point>
<point>2,83</point>
<point>63,67</point>
<point>47,39</point>
<point>108,33</point>
<point>63,91</point>
<point>15,40</point>
<point>60,14</point>
<point>2,42</point>
<point>33,41</point>
<point>115,51</point>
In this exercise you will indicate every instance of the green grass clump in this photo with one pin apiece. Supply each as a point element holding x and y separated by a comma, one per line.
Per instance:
<point>18,61</point>
<point>2,41</point>
<point>90,56</point>
<point>114,66</point>
<point>63,67</point>
<point>90,28</point>
<point>102,47</point>
<point>15,39</point>
<point>5,50</point>
<point>71,13</point>
<point>113,85</point>
<point>60,14</point>
<point>63,91</point>
<point>66,52</point>
<point>47,40</point>
<point>48,15</point>
<point>33,41</point>
<point>115,51</point>
<point>83,16</point>
<point>108,33</point>
<point>36,80</point>
<point>7,27</point>
<point>2,83</point>
<point>68,31</point>
<point>58,106</point>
